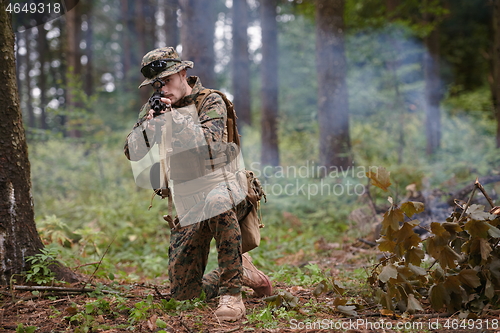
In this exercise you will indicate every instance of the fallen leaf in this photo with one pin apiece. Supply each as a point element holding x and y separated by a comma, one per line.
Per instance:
<point>386,312</point>
<point>347,310</point>
<point>320,288</point>
<point>72,310</point>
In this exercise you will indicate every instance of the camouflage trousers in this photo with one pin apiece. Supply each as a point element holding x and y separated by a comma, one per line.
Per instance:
<point>190,246</point>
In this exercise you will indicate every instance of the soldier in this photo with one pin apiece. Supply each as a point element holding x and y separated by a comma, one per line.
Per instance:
<point>196,165</point>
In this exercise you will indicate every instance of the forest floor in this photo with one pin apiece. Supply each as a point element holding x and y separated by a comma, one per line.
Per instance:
<point>145,307</point>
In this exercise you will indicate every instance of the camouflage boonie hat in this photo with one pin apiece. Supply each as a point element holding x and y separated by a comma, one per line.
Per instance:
<point>173,66</point>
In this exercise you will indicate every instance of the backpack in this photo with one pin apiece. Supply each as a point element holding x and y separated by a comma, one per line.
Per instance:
<point>250,223</point>
<point>232,130</point>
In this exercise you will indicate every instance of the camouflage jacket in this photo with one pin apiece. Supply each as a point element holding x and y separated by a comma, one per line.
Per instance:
<point>186,133</point>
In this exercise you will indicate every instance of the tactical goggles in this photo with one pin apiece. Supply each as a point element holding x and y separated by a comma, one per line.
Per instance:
<point>156,67</point>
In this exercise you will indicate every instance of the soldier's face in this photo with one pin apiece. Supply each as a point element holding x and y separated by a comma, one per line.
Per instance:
<point>175,86</point>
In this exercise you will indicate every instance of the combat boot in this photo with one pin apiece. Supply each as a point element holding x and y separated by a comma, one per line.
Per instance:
<point>230,308</point>
<point>255,279</point>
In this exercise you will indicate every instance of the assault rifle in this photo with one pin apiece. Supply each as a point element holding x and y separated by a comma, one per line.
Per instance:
<point>155,100</point>
<point>157,105</point>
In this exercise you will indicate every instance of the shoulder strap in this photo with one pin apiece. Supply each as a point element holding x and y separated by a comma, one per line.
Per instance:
<point>232,130</point>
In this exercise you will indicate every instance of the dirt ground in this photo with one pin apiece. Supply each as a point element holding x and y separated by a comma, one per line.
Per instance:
<point>53,313</point>
<point>111,310</point>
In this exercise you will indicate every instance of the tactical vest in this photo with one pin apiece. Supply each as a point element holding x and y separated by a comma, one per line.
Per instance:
<point>198,162</point>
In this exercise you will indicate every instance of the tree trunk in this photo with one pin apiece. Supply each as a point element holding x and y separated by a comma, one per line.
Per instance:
<point>133,37</point>
<point>126,47</point>
<point>18,64</point>
<point>433,91</point>
<point>73,36</point>
<point>269,81</point>
<point>140,26</point>
<point>241,62</point>
<point>171,28</point>
<point>144,46</point>
<point>58,76</point>
<point>496,67</point>
<point>89,40</point>
<point>18,234</point>
<point>73,62</point>
<point>333,105</point>
<point>151,25</point>
<point>29,95</point>
<point>392,6</point>
<point>393,65</point>
<point>197,38</point>
<point>42,78</point>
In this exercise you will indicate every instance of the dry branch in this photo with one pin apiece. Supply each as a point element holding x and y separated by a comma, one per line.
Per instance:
<point>464,191</point>
<point>51,288</point>
<point>62,289</point>
<point>186,326</point>
<point>481,188</point>
<point>367,242</point>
